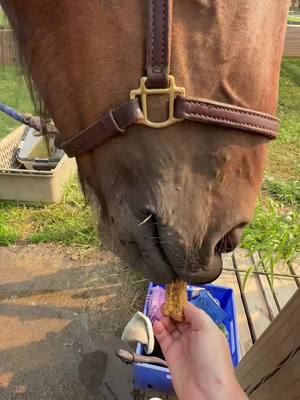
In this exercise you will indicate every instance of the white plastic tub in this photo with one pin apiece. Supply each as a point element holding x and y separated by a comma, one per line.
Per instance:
<point>17,183</point>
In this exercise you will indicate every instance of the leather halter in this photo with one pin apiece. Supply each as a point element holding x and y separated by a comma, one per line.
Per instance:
<point>158,81</point>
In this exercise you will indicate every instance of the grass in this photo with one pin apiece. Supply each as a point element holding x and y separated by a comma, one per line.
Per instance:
<point>3,20</point>
<point>286,192</point>
<point>283,162</point>
<point>69,222</point>
<point>274,231</point>
<point>13,92</point>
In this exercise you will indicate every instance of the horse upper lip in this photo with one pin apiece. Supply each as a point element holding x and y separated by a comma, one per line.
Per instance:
<point>148,241</point>
<point>206,272</point>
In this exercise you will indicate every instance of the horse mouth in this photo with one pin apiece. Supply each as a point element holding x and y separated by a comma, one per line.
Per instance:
<point>158,266</point>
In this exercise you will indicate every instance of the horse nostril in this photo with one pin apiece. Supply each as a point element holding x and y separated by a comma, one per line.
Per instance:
<point>226,244</point>
<point>231,240</point>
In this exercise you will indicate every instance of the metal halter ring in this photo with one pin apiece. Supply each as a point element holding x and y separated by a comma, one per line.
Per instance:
<point>172,90</point>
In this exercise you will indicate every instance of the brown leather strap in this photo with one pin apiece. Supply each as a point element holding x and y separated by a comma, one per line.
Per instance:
<point>159,42</point>
<point>115,122</point>
<point>112,122</point>
<point>212,112</point>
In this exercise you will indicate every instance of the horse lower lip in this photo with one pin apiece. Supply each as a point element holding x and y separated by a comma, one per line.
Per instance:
<point>203,276</point>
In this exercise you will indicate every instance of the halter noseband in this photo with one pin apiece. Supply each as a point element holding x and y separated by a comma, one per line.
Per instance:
<point>157,82</point>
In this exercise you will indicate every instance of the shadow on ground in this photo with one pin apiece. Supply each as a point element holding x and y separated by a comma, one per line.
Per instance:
<point>60,324</point>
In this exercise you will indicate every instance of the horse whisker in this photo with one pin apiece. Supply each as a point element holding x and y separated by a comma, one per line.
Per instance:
<point>145,220</point>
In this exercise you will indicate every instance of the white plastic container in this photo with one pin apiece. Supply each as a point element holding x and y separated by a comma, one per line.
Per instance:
<point>17,183</point>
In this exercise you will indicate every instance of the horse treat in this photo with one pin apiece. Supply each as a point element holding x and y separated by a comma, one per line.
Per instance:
<point>176,299</point>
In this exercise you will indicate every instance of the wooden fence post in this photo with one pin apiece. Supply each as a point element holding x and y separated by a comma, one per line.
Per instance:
<point>271,368</point>
<point>7,47</point>
<point>292,41</point>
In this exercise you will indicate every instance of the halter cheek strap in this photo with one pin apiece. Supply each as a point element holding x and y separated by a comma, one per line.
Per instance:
<point>159,33</point>
<point>111,123</point>
<point>157,82</point>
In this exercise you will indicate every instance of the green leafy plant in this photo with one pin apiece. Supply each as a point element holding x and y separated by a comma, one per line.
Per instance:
<point>274,233</point>
<point>4,24</point>
<point>7,235</point>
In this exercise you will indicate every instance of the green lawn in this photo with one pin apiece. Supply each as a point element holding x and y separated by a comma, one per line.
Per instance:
<point>13,92</point>
<point>274,231</point>
<point>283,162</point>
<point>68,222</point>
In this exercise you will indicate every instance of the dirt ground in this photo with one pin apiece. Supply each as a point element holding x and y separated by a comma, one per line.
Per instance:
<point>61,318</point>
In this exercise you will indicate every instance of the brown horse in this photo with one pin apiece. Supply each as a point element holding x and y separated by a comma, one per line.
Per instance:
<point>172,199</point>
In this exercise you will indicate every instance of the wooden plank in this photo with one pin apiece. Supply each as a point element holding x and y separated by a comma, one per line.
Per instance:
<point>271,368</point>
<point>256,305</point>
<point>292,41</point>
<point>269,294</point>
<point>295,269</point>
<point>284,288</point>
<point>228,279</point>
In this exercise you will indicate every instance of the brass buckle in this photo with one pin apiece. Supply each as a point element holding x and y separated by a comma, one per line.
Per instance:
<point>172,90</point>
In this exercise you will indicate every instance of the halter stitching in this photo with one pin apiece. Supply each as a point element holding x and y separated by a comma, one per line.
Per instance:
<point>232,121</point>
<point>231,110</point>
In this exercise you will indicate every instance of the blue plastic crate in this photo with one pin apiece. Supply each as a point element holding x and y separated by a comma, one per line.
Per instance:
<point>147,376</point>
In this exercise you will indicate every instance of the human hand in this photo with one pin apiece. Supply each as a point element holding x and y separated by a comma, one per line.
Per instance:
<point>198,357</point>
